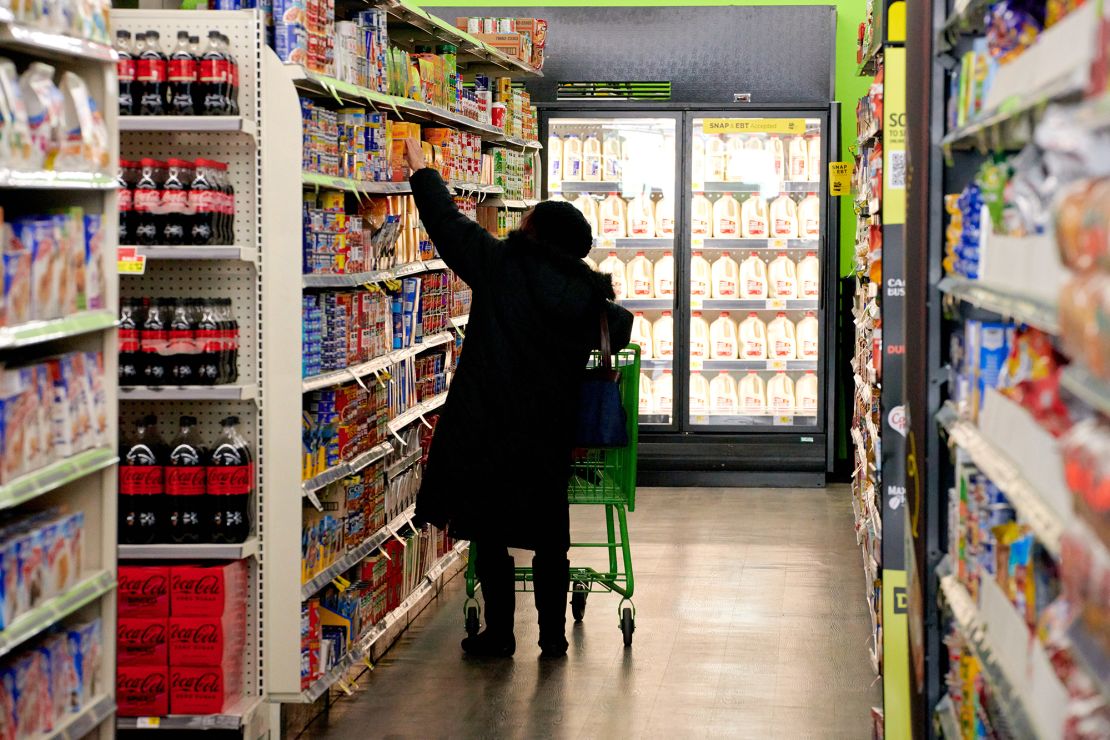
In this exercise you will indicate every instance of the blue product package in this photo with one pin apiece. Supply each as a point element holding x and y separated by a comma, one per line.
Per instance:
<point>994,347</point>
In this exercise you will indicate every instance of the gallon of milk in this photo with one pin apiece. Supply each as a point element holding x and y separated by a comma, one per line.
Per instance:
<point>613,267</point>
<point>797,158</point>
<point>699,393</point>
<point>664,217</point>
<point>726,277</point>
<point>809,277</point>
<point>641,217</point>
<point>641,282</point>
<point>726,217</point>
<point>645,394</point>
<point>716,159</point>
<point>808,335</point>
<point>591,159</point>
<point>701,215</point>
<point>722,394</point>
<point>782,344</point>
<point>780,394</point>
<point>641,334</point>
<point>699,337</point>
<point>722,338</point>
<point>753,338</point>
<point>588,207</point>
<point>700,276</point>
<point>611,158</point>
<point>778,155</point>
<point>753,278</point>
<point>784,217</point>
<point>809,217</point>
<point>697,164</point>
<point>662,334</point>
<point>753,218</point>
<point>752,395</point>
<point>664,276</point>
<point>572,159</point>
<point>735,146</point>
<point>814,163</point>
<point>554,163</point>
<point>662,393</point>
<point>613,216</point>
<point>805,394</point>
<point>782,276</point>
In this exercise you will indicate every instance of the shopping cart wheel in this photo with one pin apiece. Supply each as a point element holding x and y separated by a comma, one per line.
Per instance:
<point>628,626</point>
<point>472,625</point>
<point>578,602</point>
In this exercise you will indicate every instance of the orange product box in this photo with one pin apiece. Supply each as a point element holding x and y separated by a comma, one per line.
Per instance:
<point>536,28</point>
<point>438,136</point>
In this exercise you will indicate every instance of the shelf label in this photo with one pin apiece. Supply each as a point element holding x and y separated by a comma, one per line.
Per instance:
<point>696,363</point>
<point>778,243</point>
<point>777,304</point>
<point>776,364</point>
<point>130,262</point>
<point>696,302</point>
<point>783,421</point>
<point>840,178</point>
<point>606,242</point>
<point>753,125</point>
<point>148,723</point>
<point>697,242</point>
<point>697,185</point>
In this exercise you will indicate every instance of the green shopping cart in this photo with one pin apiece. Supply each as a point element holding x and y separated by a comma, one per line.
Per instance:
<point>600,477</point>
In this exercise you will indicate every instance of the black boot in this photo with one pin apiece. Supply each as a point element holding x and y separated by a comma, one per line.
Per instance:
<point>489,644</point>
<point>551,578</point>
<point>496,572</point>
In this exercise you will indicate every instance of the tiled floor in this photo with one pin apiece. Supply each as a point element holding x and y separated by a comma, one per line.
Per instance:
<point>751,623</point>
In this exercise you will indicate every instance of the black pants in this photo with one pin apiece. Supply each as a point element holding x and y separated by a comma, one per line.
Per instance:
<point>495,569</point>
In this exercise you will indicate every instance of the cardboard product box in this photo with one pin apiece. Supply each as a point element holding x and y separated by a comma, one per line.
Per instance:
<point>510,44</point>
<point>142,691</point>
<point>204,690</point>
<point>143,591</point>
<point>204,641</point>
<point>208,590</point>
<point>142,641</point>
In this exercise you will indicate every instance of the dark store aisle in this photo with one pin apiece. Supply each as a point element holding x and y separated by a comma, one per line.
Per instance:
<point>751,623</point>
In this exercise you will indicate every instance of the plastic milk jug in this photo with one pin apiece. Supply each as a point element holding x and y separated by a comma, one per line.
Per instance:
<point>699,393</point>
<point>590,262</point>
<point>664,217</point>
<point>809,217</point>
<point>726,277</point>
<point>726,218</point>
<point>645,394</point>
<point>814,162</point>
<point>664,276</point>
<point>701,216</point>
<point>641,283</point>
<point>716,157</point>
<point>809,277</point>
<point>662,392</point>
<point>808,337</point>
<point>699,337</point>
<point>797,158</point>
<point>751,395</point>
<point>781,341</point>
<point>662,333</point>
<point>784,217</point>
<point>611,158</point>
<point>753,278</point>
<point>588,207</point>
<point>591,159</point>
<point>753,218</point>
<point>778,155</point>
<point>613,216</point>
<point>722,338</point>
<point>613,266</point>
<point>783,278</point>
<point>722,394</point>
<point>554,162</point>
<point>641,217</point>
<point>572,159</point>
<point>700,275</point>
<point>753,338</point>
<point>736,145</point>
<point>697,164</point>
<point>805,394</point>
<point>780,394</point>
<point>641,334</point>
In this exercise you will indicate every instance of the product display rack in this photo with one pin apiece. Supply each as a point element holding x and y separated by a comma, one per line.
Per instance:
<point>84,481</point>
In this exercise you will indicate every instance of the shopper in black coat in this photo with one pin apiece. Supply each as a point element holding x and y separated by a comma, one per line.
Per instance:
<point>499,463</point>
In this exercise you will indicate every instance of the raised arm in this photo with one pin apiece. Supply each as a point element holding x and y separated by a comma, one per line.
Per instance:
<point>466,247</point>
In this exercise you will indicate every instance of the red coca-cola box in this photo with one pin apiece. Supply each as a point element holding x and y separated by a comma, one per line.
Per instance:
<point>208,590</point>
<point>142,642</point>
<point>203,641</point>
<point>204,690</point>
<point>143,591</point>
<point>142,691</point>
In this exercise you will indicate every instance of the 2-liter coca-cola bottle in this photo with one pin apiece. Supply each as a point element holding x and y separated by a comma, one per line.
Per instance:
<point>130,355</point>
<point>182,352</point>
<point>154,339</point>
<point>182,77</point>
<point>186,486</point>
<point>142,485</point>
<point>125,71</point>
<point>230,484</point>
<point>150,73</point>
<point>176,223</point>
<point>146,203</point>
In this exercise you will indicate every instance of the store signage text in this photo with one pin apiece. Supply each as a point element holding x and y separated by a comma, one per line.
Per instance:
<point>753,126</point>
<point>895,287</point>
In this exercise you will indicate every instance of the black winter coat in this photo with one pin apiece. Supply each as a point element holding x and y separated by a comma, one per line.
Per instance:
<point>499,463</point>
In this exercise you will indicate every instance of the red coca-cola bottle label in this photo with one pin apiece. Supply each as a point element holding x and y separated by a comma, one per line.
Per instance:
<point>181,342</point>
<point>213,70</point>
<point>150,70</point>
<point>185,481</point>
<point>125,199</point>
<point>231,480</point>
<point>125,69</point>
<point>209,340</point>
<point>147,200</point>
<point>182,70</point>
<point>128,340</point>
<point>175,201</point>
<point>141,480</point>
<point>233,74</point>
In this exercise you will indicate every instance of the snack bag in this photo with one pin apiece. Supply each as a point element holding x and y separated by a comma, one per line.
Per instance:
<point>15,134</point>
<point>45,114</point>
<point>85,146</point>
<point>93,273</point>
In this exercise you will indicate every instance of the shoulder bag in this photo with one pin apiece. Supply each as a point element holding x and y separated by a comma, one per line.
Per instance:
<point>602,421</point>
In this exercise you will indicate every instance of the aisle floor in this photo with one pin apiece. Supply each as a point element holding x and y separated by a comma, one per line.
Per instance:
<point>751,623</point>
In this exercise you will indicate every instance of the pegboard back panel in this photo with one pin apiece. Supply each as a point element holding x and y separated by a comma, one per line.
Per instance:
<point>237,151</point>
<point>188,279</point>
<point>240,27</point>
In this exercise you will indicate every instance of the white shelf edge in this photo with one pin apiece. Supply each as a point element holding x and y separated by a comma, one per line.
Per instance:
<point>190,551</point>
<point>55,475</point>
<point>188,124</point>
<point>50,330</point>
<point>1093,391</point>
<point>54,180</point>
<point>13,33</point>
<point>88,718</point>
<point>404,419</point>
<point>238,716</point>
<point>1020,308</point>
<point>378,364</point>
<point>342,470</point>
<point>220,252</point>
<point>376,276</point>
<point>188,392</point>
<point>54,609</point>
<point>356,554</point>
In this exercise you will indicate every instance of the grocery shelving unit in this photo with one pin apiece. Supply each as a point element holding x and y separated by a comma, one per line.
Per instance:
<point>85,481</point>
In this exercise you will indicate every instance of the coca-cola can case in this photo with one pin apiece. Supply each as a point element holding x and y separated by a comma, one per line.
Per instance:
<point>142,691</point>
<point>143,591</point>
<point>204,690</point>
<point>208,590</point>
<point>208,641</point>
<point>142,641</point>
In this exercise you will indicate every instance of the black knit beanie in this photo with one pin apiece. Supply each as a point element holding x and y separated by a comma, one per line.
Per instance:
<point>561,226</point>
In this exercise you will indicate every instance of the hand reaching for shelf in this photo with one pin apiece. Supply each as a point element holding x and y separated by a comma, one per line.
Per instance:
<point>414,155</point>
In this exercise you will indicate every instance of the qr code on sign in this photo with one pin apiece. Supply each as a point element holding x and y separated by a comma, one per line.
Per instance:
<point>896,180</point>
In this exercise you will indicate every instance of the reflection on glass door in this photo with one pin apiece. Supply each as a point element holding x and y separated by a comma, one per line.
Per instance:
<point>755,271</point>
<point>620,173</point>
